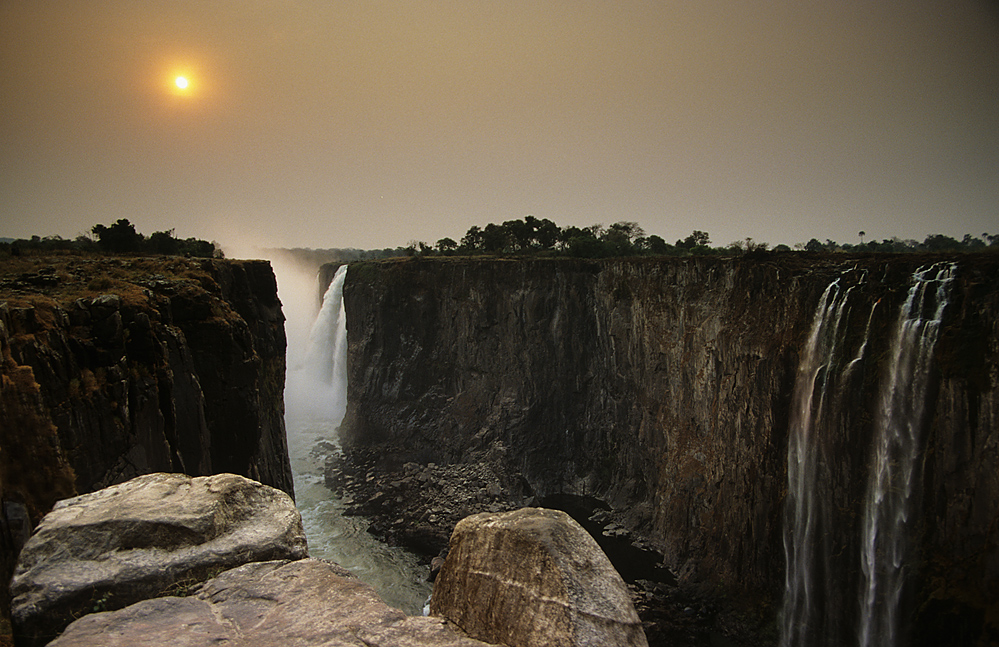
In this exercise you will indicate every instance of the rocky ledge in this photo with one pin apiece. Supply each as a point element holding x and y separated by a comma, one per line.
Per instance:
<point>305,602</point>
<point>167,559</point>
<point>150,536</point>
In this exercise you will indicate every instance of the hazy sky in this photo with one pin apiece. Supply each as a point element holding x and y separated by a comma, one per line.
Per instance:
<point>327,123</point>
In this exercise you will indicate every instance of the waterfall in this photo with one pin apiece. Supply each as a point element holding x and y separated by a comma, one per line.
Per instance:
<point>896,463</point>
<point>321,388</point>
<point>809,614</point>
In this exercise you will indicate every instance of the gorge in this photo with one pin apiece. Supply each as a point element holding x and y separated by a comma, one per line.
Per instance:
<point>810,440</point>
<point>729,413</point>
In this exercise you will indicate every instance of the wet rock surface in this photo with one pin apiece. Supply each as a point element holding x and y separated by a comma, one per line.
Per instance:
<point>112,367</point>
<point>664,388</point>
<point>417,505</point>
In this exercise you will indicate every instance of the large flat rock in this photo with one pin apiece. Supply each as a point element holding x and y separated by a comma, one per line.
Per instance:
<point>291,604</point>
<point>143,539</point>
<point>534,578</point>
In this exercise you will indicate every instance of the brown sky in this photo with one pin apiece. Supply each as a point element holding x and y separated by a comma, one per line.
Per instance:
<point>372,124</point>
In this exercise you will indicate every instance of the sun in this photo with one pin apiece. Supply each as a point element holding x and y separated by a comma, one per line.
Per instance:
<point>181,82</point>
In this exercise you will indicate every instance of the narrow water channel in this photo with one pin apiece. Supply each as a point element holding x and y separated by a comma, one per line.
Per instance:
<point>395,573</point>
<point>314,405</point>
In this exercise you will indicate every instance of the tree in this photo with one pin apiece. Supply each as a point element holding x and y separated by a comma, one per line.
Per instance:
<point>589,247</point>
<point>520,232</point>
<point>631,230</point>
<point>655,245</point>
<point>567,234</point>
<point>546,233</point>
<point>472,240</point>
<point>163,242</point>
<point>940,243</point>
<point>119,237</point>
<point>814,246</point>
<point>446,245</point>
<point>494,238</point>
<point>697,238</point>
<point>970,242</point>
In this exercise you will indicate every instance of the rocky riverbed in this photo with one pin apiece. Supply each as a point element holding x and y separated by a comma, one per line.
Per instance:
<point>416,505</point>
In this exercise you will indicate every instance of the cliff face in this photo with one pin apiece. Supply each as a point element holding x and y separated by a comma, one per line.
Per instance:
<point>664,388</point>
<point>143,365</point>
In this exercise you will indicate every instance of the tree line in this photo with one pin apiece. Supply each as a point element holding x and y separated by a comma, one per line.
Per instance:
<point>534,236</point>
<point>117,238</point>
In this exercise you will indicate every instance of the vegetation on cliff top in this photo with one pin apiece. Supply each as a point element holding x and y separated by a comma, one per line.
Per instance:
<point>44,280</point>
<point>118,238</point>
<point>533,236</point>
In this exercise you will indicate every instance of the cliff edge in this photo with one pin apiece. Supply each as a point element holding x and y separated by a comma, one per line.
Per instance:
<point>113,367</point>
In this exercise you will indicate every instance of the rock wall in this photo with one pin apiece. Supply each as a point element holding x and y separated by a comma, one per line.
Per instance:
<point>115,367</point>
<point>663,387</point>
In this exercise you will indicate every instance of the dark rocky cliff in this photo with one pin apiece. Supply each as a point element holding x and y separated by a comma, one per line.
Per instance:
<point>115,367</point>
<point>663,387</point>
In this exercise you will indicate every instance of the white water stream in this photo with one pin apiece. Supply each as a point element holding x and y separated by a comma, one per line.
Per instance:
<point>810,600</point>
<point>898,445</point>
<point>813,609</point>
<point>315,401</point>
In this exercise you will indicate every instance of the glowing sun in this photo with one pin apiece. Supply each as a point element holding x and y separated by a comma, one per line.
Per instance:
<point>181,82</point>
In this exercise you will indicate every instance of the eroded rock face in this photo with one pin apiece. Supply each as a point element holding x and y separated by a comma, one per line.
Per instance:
<point>533,578</point>
<point>139,539</point>
<point>306,602</point>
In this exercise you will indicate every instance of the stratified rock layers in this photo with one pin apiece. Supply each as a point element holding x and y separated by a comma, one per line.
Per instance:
<point>663,387</point>
<point>533,578</point>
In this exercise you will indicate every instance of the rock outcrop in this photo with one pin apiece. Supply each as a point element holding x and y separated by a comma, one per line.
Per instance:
<point>153,364</point>
<point>533,578</point>
<point>144,538</point>
<point>115,367</point>
<point>169,560</point>
<point>306,602</point>
<point>663,388</point>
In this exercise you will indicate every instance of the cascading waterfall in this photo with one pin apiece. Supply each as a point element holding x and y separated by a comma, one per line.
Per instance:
<point>324,383</point>
<point>896,463</point>
<point>814,611</point>
<point>809,611</point>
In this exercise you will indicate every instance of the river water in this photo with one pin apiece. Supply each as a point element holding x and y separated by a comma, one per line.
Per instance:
<point>315,392</point>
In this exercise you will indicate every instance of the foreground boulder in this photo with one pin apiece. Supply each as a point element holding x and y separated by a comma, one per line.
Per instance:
<point>533,578</point>
<point>305,602</point>
<point>143,539</point>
